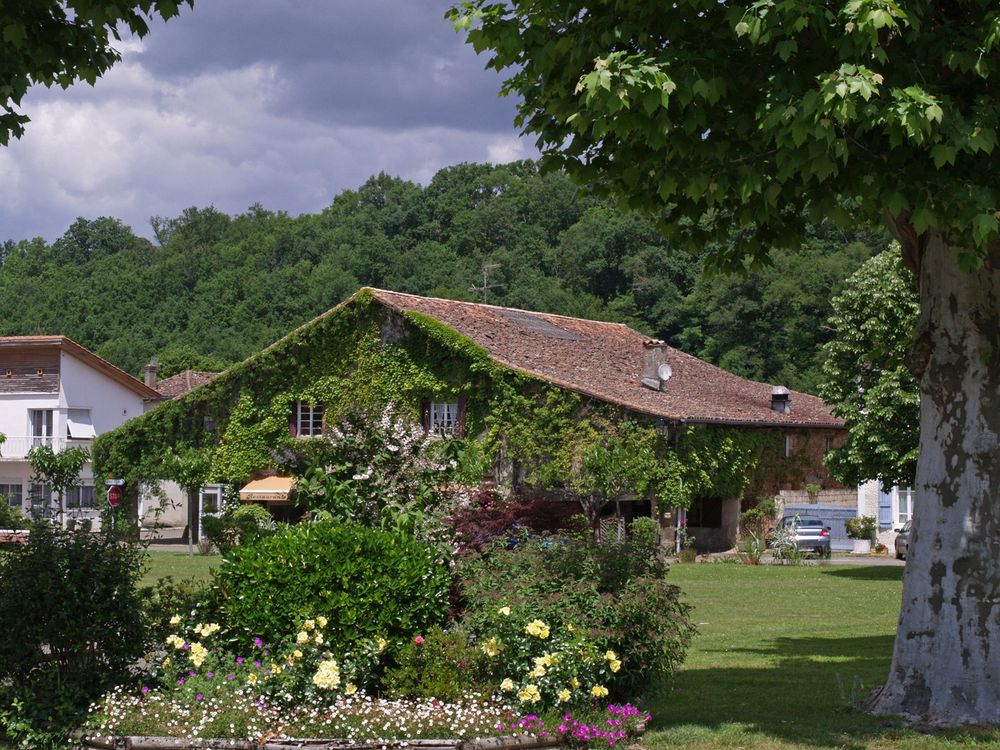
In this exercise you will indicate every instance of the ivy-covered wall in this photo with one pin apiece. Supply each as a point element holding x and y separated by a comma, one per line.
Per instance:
<point>363,355</point>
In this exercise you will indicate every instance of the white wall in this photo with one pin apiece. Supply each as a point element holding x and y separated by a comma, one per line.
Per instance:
<point>111,404</point>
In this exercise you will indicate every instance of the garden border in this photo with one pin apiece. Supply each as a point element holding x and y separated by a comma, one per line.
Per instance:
<point>98,742</point>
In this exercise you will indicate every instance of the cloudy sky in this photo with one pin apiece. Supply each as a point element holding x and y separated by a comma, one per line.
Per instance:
<point>281,102</point>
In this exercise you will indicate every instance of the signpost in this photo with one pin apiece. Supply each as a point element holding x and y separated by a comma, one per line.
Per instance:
<point>115,494</point>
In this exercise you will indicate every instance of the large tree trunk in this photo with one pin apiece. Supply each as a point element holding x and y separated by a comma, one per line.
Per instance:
<point>946,662</point>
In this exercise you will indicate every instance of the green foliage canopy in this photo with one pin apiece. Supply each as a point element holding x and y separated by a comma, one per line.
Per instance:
<point>866,376</point>
<point>751,116</point>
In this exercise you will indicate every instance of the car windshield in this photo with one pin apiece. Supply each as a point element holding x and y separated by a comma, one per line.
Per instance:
<point>803,522</point>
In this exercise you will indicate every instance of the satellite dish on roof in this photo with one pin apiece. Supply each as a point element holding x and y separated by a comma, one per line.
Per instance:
<point>664,372</point>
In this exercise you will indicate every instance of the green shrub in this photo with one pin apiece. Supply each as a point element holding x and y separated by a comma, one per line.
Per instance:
<point>242,524</point>
<point>366,582</point>
<point>614,590</point>
<point>862,527</point>
<point>11,518</point>
<point>439,664</point>
<point>72,624</point>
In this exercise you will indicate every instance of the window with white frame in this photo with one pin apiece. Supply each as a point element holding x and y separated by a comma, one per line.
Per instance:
<point>443,417</point>
<point>80,496</point>
<point>904,504</point>
<point>308,419</point>
<point>40,426</point>
<point>13,494</point>
<point>211,498</point>
<point>79,425</point>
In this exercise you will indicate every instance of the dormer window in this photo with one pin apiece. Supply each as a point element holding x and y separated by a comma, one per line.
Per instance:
<point>307,420</point>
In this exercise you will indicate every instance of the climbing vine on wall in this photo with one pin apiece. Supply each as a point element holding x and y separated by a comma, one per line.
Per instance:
<point>362,355</point>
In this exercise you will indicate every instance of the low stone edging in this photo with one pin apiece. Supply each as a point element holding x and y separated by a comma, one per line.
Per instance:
<point>176,743</point>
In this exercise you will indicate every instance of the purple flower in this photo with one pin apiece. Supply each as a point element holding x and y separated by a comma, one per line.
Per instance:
<point>267,651</point>
<point>239,659</point>
<point>187,646</point>
<point>210,675</point>
<point>145,689</point>
<point>258,642</point>
<point>180,681</point>
<point>257,664</point>
<point>191,673</point>
<point>199,697</point>
<point>230,677</point>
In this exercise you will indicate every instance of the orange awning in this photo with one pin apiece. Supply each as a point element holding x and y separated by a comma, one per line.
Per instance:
<point>268,490</point>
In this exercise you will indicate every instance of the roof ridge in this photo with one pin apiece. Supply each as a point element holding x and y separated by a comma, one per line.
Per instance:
<point>502,307</point>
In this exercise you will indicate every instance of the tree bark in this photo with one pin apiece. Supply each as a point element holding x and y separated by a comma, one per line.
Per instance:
<point>946,661</point>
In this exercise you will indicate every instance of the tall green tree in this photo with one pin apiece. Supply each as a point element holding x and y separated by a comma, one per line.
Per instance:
<point>731,123</point>
<point>59,471</point>
<point>60,42</point>
<point>866,377</point>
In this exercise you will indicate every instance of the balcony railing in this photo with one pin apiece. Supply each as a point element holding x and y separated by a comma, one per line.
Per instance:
<point>15,448</point>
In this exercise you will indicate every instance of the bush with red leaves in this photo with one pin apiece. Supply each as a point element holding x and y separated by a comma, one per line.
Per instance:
<point>489,515</point>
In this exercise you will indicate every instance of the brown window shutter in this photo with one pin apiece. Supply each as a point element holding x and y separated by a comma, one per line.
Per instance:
<point>460,420</point>
<point>425,414</point>
<point>293,422</point>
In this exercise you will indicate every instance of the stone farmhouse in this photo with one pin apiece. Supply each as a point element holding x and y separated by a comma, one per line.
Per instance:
<point>533,387</point>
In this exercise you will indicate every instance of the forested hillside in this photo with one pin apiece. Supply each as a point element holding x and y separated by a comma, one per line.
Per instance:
<point>212,288</point>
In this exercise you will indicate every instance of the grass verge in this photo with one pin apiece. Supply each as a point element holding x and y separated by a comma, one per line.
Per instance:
<point>178,565</point>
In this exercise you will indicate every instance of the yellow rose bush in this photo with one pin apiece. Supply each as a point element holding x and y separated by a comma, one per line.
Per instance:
<point>544,666</point>
<point>603,607</point>
<point>196,663</point>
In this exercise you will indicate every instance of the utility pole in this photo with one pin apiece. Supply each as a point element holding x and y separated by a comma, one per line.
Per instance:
<point>487,267</point>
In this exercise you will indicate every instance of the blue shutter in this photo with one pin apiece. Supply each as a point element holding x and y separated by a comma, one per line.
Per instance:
<point>884,509</point>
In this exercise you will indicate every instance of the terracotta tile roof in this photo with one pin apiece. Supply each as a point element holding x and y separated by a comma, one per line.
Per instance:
<point>182,382</point>
<point>83,354</point>
<point>605,360</point>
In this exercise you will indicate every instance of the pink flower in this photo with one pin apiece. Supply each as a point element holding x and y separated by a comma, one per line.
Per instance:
<point>145,689</point>
<point>199,697</point>
<point>419,640</point>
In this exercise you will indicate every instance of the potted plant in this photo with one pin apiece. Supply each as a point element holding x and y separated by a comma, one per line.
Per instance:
<point>862,531</point>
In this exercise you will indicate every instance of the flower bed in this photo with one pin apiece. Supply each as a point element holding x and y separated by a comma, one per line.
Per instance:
<point>140,721</point>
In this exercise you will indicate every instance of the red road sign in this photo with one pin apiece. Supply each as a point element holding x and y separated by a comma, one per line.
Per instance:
<point>114,496</point>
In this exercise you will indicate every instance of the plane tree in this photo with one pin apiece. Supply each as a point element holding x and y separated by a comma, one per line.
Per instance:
<point>865,375</point>
<point>60,42</point>
<point>732,123</point>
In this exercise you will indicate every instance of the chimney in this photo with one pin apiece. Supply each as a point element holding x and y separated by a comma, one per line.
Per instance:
<point>150,376</point>
<point>655,371</point>
<point>780,400</point>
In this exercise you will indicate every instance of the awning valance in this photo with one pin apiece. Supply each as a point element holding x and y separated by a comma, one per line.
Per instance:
<point>269,490</point>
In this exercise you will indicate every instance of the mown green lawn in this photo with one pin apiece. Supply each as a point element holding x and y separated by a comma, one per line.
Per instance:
<point>781,656</point>
<point>179,565</point>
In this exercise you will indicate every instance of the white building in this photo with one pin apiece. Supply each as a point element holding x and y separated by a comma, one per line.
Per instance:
<point>55,392</point>
<point>892,509</point>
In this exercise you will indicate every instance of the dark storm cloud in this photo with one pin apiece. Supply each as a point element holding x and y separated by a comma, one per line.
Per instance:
<point>282,103</point>
<point>391,65</point>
